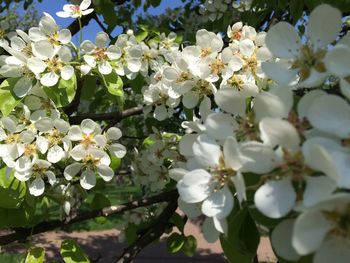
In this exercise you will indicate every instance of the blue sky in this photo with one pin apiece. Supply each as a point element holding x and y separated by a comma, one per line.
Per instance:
<point>52,6</point>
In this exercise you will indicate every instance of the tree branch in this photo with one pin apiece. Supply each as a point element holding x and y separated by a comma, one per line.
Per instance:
<point>23,233</point>
<point>115,117</point>
<point>154,232</point>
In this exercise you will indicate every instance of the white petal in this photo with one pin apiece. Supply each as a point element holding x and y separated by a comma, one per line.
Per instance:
<point>101,39</point>
<point>36,65</point>
<point>88,126</point>
<point>317,189</point>
<point>117,149</point>
<point>85,4</point>
<point>324,25</point>
<point>64,36</point>
<point>281,240</point>
<point>337,60</point>
<point>206,151</point>
<point>104,68</point>
<point>190,99</point>
<point>49,79</point>
<point>22,87</point>
<point>51,177</point>
<point>257,157</point>
<point>45,124</point>
<point>194,187</point>
<point>67,72</point>
<point>306,101</point>
<point>232,154</point>
<point>280,72</point>
<point>191,210</point>
<point>219,204</point>
<point>114,133</point>
<point>331,114</point>
<point>231,101</point>
<point>78,152</point>
<point>88,179</point>
<point>219,125</point>
<point>55,154</point>
<point>246,47</point>
<point>37,187</point>
<point>309,231</point>
<point>43,49</point>
<point>275,132</point>
<point>333,249</point>
<point>283,41</point>
<point>72,170</point>
<point>105,172</point>
<point>275,199</point>
<point>209,231</point>
<point>177,174</point>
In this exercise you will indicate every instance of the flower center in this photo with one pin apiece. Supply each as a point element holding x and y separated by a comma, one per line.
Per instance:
<point>30,150</point>
<point>235,82</point>
<point>205,51</point>
<point>54,64</point>
<point>88,139</point>
<point>341,219</point>
<point>90,161</point>
<point>217,66</point>
<point>100,54</point>
<point>12,138</point>
<point>308,58</point>
<point>55,137</point>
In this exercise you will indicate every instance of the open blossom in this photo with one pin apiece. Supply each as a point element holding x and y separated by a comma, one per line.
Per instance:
<point>76,11</point>
<point>298,61</point>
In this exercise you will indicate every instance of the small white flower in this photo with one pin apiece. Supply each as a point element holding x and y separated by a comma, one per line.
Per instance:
<point>76,11</point>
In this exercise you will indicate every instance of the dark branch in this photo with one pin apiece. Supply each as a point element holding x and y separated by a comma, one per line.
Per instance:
<point>154,232</point>
<point>115,117</point>
<point>21,234</point>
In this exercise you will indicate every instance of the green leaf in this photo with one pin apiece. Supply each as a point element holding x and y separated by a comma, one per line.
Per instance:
<point>89,87</point>
<point>12,258</point>
<point>155,3</point>
<point>175,242</point>
<point>178,221</point>
<point>141,36</point>
<point>62,93</point>
<point>108,13</point>
<point>100,201</point>
<point>131,233</point>
<point>35,255</point>
<point>243,237</point>
<point>115,162</point>
<point>296,10</point>
<point>8,101</point>
<point>72,253</point>
<point>20,217</point>
<point>190,246</point>
<point>12,191</point>
<point>233,254</point>
<point>114,84</point>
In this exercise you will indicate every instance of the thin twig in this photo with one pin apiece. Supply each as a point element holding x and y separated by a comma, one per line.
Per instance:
<point>22,233</point>
<point>157,229</point>
<point>115,117</point>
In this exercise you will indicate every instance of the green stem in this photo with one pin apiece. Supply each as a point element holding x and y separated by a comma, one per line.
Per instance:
<point>81,35</point>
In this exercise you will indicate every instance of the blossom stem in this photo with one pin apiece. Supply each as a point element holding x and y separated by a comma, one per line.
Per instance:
<point>81,35</point>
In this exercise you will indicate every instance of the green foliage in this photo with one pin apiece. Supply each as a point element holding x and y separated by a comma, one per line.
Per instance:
<point>12,191</point>
<point>242,239</point>
<point>8,101</point>
<point>190,246</point>
<point>12,258</point>
<point>63,92</point>
<point>175,242</point>
<point>72,253</point>
<point>178,221</point>
<point>114,85</point>
<point>100,201</point>
<point>35,255</point>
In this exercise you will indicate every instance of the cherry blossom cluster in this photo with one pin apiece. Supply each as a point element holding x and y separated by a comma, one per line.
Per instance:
<point>272,105</point>
<point>38,146</point>
<point>289,130</point>
<point>198,71</point>
<point>152,162</point>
